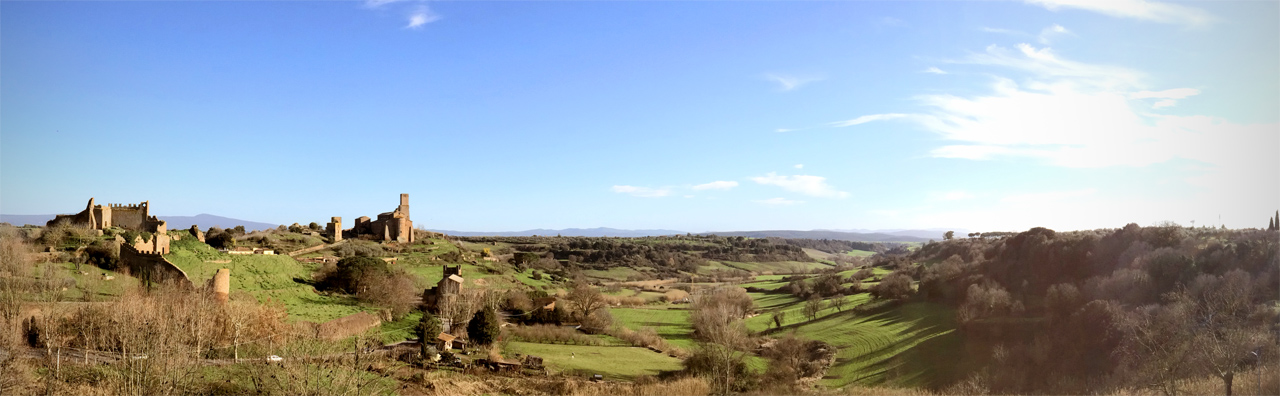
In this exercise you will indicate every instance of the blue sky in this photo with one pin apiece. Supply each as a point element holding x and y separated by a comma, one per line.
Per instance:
<point>696,116</point>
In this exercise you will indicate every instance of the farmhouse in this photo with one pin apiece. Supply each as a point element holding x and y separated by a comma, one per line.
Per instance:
<point>444,342</point>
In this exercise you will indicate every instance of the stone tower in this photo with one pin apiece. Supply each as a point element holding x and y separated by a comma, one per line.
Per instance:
<point>222,285</point>
<point>334,229</point>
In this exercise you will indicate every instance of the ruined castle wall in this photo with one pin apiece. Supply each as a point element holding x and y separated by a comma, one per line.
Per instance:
<point>132,217</point>
<point>152,266</point>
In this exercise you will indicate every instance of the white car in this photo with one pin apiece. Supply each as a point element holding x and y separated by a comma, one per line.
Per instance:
<point>274,359</point>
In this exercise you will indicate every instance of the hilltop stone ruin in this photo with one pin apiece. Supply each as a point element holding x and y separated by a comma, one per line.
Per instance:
<point>390,226</point>
<point>144,255</point>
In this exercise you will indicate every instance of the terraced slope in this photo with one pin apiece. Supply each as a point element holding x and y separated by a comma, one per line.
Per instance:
<point>907,345</point>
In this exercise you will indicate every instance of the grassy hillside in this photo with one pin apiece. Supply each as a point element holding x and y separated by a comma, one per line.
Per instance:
<point>670,322</point>
<point>613,362</point>
<point>265,277</point>
<point>773,267</point>
<point>910,345</point>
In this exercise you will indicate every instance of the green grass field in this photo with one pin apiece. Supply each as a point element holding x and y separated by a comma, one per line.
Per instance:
<point>612,362</point>
<point>614,274</point>
<point>671,322</point>
<point>92,283</point>
<point>904,345</point>
<point>777,267</point>
<point>909,345</point>
<point>266,277</point>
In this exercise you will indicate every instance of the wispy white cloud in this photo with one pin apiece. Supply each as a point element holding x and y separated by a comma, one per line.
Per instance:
<point>799,166</point>
<point>1176,93</point>
<point>1079,115</point>
<point>1047,65</point>
<point>790,82</point>
<point>934,70</point>
<point>1168,97</point>
<point>805,184</point>
<point>1049,32</point>
<point>778,201</point>
<point>1137,9</point>
<point>865,119</point>
<point>420,16</point>
<point>379,3</point>
<point>716,185</point>
<point>643,192</point>
<point>1001,31</point>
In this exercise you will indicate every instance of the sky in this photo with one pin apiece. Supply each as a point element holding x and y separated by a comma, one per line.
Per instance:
<point>685,115</point>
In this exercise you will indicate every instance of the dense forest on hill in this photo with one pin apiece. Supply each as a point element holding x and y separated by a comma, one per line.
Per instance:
<point>1095,311</point>
<point>667,255</point>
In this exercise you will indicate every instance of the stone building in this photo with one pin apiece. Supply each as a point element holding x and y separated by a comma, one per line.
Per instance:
<point>446,291</point>
<point>144,255</point>
<point>100,217</point>
<point>334,229</point>
<point>390,226</point>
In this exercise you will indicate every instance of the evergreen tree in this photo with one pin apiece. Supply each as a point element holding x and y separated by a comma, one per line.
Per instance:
<point>1271,224</point>
<point>484,327</point>
<point>428,328</point>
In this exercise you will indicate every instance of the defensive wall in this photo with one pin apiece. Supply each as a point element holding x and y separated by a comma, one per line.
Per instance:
<point>151,265</point>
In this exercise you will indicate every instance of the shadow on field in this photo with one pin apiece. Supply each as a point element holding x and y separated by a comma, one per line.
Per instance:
<point>934,361</point>
<point>934,358</point>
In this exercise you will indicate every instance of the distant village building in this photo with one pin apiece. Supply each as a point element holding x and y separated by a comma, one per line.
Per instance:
<point>444,295</point>
<point>444,342</point>
<point>446,291</point>
<point>242,250</point>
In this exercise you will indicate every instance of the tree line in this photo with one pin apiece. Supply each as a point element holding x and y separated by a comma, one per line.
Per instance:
<point>1098,311</point>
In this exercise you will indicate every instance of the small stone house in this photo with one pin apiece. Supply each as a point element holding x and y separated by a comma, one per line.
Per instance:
<point>444,342</point>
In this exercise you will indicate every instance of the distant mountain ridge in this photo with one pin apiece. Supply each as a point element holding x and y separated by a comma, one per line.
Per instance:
<point>204,220</point>
<point>578,232</point>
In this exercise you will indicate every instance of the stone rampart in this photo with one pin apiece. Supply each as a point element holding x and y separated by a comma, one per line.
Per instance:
<point>151,266</point>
